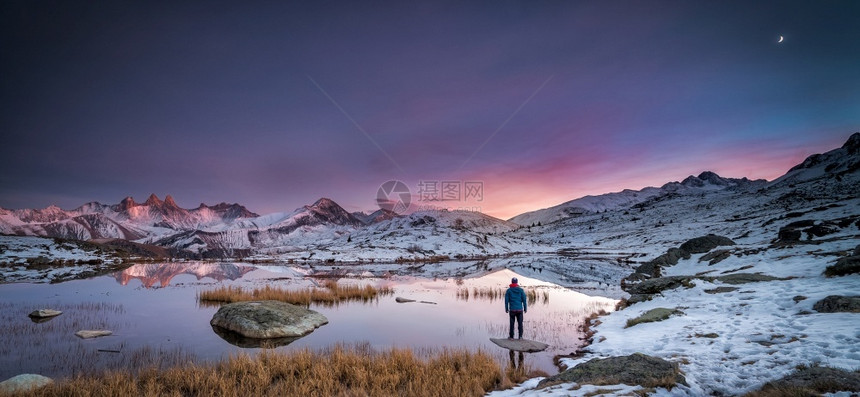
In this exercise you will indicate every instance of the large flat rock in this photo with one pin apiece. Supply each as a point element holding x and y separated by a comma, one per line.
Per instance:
<point>520,345</point>
<point>267,319</point>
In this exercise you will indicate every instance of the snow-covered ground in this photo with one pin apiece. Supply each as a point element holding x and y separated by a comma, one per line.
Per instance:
<point>35,259</point>
<point>733,342</point>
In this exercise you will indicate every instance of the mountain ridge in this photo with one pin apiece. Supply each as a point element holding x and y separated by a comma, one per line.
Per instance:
<point>325,230</point>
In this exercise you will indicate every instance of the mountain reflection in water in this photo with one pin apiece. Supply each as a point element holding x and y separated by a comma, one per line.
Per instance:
<point>162,273</point>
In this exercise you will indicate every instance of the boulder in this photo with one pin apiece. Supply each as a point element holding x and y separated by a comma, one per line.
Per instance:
<point>635,369</point>
<point>653,315</point>
<point>24,383</point>
<point>816,380</point>
<point>45,313</point>
<point>700,245</point>
<point>657,285</point>
<point>89,334</point>
<point>844,267</point>
<point>838,304</point>
<point>267,319</point>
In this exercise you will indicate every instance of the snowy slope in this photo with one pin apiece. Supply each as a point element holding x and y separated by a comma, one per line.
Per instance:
<point>730,339</point>
<point>706,182</point>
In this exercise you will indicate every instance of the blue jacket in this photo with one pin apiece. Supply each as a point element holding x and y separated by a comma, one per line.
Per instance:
<point>515,299</point>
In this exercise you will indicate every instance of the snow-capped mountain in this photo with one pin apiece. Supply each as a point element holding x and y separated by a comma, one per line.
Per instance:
<point>835,163</point>
<point>822,184</point>
<point>692,185</point>
<point>324,230</point>
<point>377,216</point>
<point>127,220</point>
<point>707,203</point>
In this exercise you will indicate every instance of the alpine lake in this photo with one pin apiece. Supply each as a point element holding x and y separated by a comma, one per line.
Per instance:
<point>157,320</point>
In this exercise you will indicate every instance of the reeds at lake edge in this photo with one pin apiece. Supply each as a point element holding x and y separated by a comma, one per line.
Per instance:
<point>490,293</point>
<point>338,371</point>
<point>331,294</point>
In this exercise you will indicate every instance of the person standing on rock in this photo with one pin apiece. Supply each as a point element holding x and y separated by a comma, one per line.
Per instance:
<point>515,306</point>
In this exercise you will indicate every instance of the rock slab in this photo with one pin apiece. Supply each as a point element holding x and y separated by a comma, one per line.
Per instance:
<point>817,379</point>
<point>89,333</point>
<point>635,369</point>
<point>24,383</point>
<point>838,304</point>
<point>45,313</point>
<point>520,345</point>
<point>267,319</point>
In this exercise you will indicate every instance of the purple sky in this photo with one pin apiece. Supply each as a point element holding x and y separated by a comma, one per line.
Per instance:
<point>274,105</point>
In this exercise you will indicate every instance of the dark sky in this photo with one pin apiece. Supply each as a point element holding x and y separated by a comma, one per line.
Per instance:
<point>275,104</point>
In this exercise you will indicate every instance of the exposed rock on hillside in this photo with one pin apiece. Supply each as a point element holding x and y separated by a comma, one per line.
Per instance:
<point>635,369</point>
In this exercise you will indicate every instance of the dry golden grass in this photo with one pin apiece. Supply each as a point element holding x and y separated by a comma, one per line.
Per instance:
<point>490,293</point>
<point>332,294</point>
<point>340,371</point>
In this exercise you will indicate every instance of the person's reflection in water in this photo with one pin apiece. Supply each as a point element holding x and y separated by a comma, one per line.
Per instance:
<point>516,365</point>
<point>516,371</point>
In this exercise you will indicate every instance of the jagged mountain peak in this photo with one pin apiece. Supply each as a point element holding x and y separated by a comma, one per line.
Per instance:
<point>325,202</point>
<point>705,178</point>
<point>168,201</point>
<point>127,203</point>
<point>153,200</point>
<point>328,211</point>
<point>713,178</point>
<point>230,211</point>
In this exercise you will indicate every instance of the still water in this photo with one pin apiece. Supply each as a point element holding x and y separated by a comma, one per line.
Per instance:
<point>156,319</point>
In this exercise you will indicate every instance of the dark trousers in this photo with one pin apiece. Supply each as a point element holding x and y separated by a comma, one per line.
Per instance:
<point>518,315</point>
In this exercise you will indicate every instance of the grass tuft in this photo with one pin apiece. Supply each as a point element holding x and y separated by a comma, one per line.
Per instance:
<point>331,294</point>
<point>338,371</point>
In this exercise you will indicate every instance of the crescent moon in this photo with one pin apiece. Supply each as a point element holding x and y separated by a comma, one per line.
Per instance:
<point>781,39</point>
